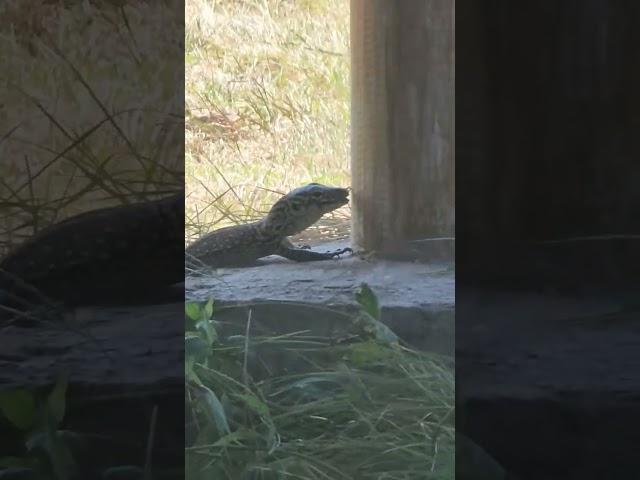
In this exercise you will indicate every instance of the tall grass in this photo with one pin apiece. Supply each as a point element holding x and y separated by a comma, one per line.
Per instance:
<point>75,134</point>
<point>293,405</point>
<point>267,104</point>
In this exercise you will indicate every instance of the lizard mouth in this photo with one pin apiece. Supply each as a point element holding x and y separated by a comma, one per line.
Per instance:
<point>337,198</point>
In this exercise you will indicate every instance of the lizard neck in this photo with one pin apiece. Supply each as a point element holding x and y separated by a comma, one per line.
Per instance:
<point>268,232</point>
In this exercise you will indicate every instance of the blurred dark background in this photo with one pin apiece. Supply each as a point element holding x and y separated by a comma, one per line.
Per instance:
<point>548,218</point>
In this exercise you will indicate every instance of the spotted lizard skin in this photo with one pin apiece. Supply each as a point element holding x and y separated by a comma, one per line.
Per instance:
<point>100,255</point>
<point>242,245</point>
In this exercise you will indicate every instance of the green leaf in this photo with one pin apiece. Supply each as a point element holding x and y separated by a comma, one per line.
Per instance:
<point>207,328</point>
<point>214,409</point>
<point>208,310</point>
<point>19,407</point>
<point>59,454</point>
<point>368,301</point>
<point>193,309</point>
<point>56,402</point>
<point>382,333</point>
<point>367,353</point>
<point>196,348</point>
<point>36,441</point>
<point>51,444</point>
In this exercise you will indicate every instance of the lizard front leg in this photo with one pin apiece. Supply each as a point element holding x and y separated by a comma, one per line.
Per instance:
<point>287,250</point>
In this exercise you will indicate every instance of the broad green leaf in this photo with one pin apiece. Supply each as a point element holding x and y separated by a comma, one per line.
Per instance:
<point>214,409</point>
<point>19,407</point>
<point>367,353</point>
<point>382,333</point>
<point>56,402</point>
<point>368,300</point>
<point>59,453</point>
<point>208,310</point>
<point>207,328</point>
<point>193,309</point>
<point>196,348</point>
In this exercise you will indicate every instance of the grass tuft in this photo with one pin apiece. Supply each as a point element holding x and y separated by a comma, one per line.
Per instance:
<point>70,141</point>
<point>293,405</point>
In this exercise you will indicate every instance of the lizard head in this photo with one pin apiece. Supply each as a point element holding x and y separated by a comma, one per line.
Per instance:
<point>302,207</point>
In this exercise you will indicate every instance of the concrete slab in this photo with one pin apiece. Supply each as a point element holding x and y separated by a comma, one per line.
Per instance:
<point>275,278</point>
<point>417,299</point>
<point>546,378</point>
<point>129,347</point>
<point>523,345</point>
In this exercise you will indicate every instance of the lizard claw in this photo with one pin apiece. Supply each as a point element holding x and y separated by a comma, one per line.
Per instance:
<point>337,253</point>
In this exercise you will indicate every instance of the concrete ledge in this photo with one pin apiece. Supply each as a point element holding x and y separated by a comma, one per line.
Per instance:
<point>417,299</point>
<point>425,329</point>
<point>550,384</point>
<point>114,348</point>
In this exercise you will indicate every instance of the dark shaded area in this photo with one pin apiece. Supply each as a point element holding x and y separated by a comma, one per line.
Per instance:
<point>124,356</point>
<point>118,433</point>
<point>547,131</point>
<point>547,145</point>
<point>584,449</point>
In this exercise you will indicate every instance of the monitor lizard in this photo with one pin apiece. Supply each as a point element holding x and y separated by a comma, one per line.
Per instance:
<point>242,245</point>
<point>104,256</point>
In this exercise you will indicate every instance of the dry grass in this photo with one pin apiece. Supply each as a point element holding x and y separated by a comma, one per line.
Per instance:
<point>267,104</point>
<point>75,134</point>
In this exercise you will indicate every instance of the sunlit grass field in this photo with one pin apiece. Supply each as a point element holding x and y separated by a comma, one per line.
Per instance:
<point>267,104</point>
